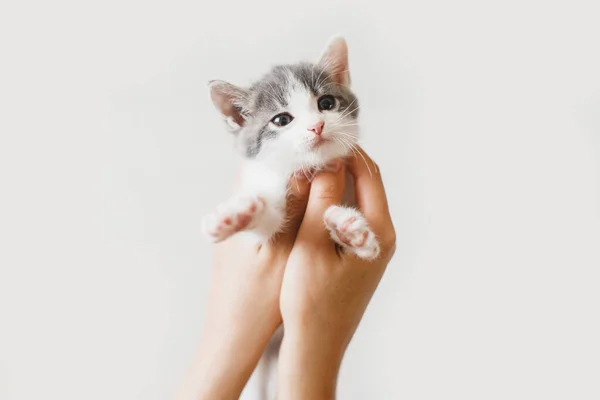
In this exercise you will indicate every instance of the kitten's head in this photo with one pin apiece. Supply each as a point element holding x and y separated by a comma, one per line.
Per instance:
<point>301,115</point>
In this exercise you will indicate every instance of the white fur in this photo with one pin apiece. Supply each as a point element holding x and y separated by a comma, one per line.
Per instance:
<point>259,207</point>
<point>348,227</point>
<point>266,177</point>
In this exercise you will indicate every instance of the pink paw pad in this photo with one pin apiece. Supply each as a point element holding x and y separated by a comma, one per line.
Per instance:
<point>349,229</point>
<point>233,216</point>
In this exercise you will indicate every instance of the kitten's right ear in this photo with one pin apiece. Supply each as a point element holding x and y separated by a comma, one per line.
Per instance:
<point>230,101</point>
<point>335,60</point>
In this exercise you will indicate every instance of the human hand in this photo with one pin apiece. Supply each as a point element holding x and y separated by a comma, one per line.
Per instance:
<point>324,292</point>
<point>243,307</point>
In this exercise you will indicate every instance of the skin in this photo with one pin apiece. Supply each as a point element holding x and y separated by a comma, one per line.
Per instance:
<point>324,293</point>
<point>243,308</point>
<point>300,278</point>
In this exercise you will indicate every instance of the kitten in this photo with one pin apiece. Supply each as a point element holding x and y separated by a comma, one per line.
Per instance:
<point>296,118</point>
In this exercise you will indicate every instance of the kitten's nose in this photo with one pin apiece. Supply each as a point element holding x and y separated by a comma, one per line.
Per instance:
<point>318,128</point>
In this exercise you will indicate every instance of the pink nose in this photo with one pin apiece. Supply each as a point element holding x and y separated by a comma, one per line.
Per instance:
<point>318,128</point>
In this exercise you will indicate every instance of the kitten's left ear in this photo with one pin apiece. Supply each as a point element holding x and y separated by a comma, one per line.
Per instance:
<point>335,60</point>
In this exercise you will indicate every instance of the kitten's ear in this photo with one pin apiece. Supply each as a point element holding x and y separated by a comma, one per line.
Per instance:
<point>230,101</point>
<point>335,60</point>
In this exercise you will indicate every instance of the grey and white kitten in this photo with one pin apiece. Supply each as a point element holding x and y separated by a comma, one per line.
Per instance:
<point>296,118</point>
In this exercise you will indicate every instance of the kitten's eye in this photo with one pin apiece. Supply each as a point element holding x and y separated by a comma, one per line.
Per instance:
<point>282,119</point>
<point>326,102</point>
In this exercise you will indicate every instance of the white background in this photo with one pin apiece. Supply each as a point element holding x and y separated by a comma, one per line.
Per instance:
<point>484,117</point>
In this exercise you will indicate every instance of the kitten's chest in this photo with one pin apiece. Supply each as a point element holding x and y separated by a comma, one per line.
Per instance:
<point>273,185</point>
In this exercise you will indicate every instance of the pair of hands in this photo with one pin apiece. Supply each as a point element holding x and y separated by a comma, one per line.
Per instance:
<point>300,279</point>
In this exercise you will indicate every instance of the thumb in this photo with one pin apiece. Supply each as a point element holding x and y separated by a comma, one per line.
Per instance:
<point>326,190</point>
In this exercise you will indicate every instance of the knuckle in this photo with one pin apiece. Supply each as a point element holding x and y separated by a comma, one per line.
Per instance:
<point>391,250</point>
<point>388,242</point>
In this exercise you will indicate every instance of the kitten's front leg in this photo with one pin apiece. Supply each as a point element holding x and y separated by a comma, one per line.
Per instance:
<point>237,214</point>
<point>263,215</point>
<point>348,228</point>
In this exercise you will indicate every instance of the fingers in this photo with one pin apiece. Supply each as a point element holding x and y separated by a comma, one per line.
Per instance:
<point>298,192</point>
<point>370,195</point>
<point>299,189</point>
<point>326,189</point>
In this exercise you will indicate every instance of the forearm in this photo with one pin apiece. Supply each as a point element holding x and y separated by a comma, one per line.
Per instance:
<point>233,340</point>
<point>309,364</point>
<point>221,368</point>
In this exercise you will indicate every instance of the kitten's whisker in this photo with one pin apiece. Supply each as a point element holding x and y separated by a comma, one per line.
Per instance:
<point>345,141</point>
<point>345,119</point>
<point>348,111</point>
<point>355,150</point>
<point>274,93</point>
<point>330,75</point>
<point>366,163</point>
<point>297,185</point>
<point>319,82</point>
<point>303,170</point>
<point>336,125</point>
<point>347,134</point>
<point>323,69</point>
<point>339,140</point>
<point>326,67</point>
<point>345,113</point>
<point>347,138</point>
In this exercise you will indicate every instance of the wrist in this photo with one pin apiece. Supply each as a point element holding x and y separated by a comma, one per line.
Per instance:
<point>309,364</point>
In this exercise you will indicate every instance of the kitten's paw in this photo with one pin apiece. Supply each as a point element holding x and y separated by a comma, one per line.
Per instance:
<point>349,229</point>
<point>234,216</point>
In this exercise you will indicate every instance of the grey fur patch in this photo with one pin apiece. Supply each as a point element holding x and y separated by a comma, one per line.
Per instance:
<point>268,96</point>
<point>254,143</point>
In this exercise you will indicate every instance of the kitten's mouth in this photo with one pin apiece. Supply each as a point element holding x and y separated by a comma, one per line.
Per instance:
<point>317,142</point>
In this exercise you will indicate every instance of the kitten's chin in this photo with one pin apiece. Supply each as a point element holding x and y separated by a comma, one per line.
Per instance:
<point>325,152</point>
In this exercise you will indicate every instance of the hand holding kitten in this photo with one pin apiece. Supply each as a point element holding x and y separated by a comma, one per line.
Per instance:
<point>243,307</point>
<point>297,119</point>
<point>325,293</point>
